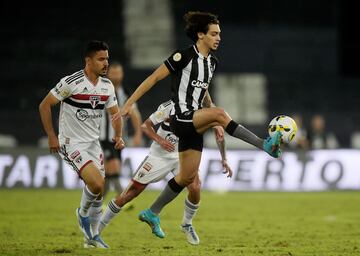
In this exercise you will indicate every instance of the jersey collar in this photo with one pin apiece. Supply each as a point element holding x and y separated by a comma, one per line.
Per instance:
<point>200,55</point>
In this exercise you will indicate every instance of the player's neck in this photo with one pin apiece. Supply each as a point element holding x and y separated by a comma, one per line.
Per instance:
<point>93,78</point>
<point>203,49</point>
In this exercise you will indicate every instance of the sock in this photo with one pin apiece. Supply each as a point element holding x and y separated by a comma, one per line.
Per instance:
<point>114,179</point>
<point>190,210</point>
<point>95,212</point>
<point>240,132</point>
<point>171,191</point>
<point>111,211</point>
<point>87,199</point>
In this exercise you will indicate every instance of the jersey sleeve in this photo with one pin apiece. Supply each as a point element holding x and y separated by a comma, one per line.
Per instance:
<point>162,113</point>
<point>112,100</point>
<point>177,61</point>
<point>62,90</point>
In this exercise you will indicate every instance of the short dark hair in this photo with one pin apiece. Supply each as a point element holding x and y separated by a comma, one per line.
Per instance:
<point>198,22</point>
<point>94,46</point>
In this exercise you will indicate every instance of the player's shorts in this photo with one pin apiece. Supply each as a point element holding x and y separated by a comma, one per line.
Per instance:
<point>154,168</point>
<point>183,127</point>
<point>109,151</point>
<point>81,154</point>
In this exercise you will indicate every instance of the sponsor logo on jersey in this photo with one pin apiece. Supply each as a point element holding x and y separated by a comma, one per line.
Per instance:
<point>199,84</point>
<point>104,90</point>
<point>94,100</point>
<point>172,138</point>
<point>82,115</point>
<point>85,90</point>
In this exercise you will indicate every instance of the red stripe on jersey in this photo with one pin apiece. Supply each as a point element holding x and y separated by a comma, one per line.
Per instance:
<point>87,96</point>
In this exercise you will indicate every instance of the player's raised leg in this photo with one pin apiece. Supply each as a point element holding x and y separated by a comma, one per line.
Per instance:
<point>206,118</point>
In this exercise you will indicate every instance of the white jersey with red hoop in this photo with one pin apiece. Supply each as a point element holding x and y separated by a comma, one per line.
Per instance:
<point>82,105</point>
<point>161,116</point>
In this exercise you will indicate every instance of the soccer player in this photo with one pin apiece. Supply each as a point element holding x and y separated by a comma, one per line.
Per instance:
<point>112,156</point>
<point>162,159</point>
<point>83,96</point>
<point>191,71</point>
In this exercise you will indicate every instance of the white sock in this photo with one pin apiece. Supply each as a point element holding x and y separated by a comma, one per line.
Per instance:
<point>95,212</point>
<point>190,210</point>
<point>87,199</point>
<point>111,211</point>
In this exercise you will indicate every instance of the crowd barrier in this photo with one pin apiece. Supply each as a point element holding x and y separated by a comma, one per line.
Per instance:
<point>253,170</point>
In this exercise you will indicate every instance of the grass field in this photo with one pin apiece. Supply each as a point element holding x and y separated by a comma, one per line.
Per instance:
<point>43,222</point>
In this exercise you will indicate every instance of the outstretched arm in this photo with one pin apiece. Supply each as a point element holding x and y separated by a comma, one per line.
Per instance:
<point>160,73</point>
<point>46,119</point>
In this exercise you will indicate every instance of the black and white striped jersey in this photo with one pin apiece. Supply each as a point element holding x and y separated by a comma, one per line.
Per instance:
<point>191,76</point>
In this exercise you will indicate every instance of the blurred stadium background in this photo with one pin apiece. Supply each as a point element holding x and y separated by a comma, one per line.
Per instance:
<point>276,57</point>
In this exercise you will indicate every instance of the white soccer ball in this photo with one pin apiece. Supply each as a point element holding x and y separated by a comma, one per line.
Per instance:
<point>286,125</point>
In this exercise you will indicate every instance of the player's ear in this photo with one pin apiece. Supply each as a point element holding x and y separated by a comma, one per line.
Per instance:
<point>200,35</point>
<point>87,60</point>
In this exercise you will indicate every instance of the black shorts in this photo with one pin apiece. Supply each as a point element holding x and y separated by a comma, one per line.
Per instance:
<point>182,126</point>
<point>109,151</point>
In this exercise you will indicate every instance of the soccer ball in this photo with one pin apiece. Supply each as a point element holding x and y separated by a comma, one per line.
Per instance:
<point>286,125</point>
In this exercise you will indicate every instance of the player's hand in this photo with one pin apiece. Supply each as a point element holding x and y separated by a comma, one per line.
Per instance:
<point>219,133</point>
<point>126,111</point>
<point>119,143</point>
<point>227,168</point>
<point>54,144</point>
<point>167,145</point>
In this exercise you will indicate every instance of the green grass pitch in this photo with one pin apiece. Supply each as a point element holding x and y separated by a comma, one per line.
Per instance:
<point>43,222</point>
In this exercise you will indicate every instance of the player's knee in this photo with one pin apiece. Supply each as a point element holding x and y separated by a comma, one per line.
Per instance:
<point>187,180</point>
<point>220,114</point>
<point>194,187</point>
<point>97,186</point>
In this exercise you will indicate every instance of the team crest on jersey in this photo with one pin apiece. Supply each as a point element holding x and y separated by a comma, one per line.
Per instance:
<point>94,100</point>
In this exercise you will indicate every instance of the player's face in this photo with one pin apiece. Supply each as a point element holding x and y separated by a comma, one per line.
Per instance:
<point>116,74</point>
<point>212,37</point>
<point>99,63</point>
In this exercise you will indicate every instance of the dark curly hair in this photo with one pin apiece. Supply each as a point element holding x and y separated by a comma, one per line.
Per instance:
<point>198,22</point>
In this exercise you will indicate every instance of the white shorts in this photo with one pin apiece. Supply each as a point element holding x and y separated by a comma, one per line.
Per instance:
<point>154,168</point>
<point>81,154</point>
